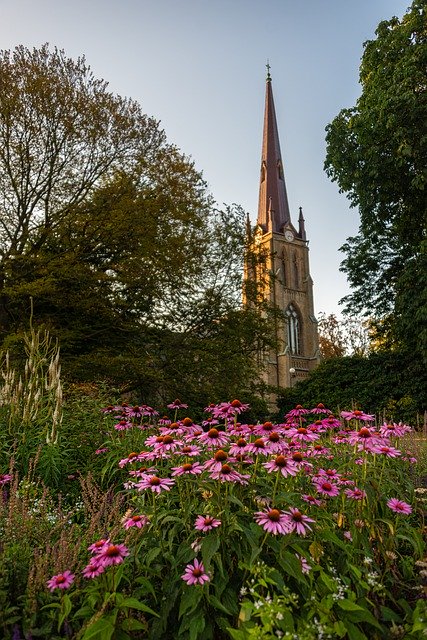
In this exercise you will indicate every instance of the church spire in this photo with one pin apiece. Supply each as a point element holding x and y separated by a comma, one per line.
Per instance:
<point>272,190</point>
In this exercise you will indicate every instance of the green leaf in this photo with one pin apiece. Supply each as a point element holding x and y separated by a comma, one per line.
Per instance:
<point>210,545</point>
<point>349,605</point>
<point>218,605</point>
<point>102,629</point>
<point>340,628</point>
<point>190,599</point>
<point>354,632</point>
<point>133,603</point>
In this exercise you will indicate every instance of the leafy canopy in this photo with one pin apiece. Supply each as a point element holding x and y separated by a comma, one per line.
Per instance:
<point>377,153</point>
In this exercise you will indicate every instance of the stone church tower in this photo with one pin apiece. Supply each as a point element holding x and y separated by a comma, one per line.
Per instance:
<point>285,278</point>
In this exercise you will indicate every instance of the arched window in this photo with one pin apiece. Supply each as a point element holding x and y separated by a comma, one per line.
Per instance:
<point>294,330</point>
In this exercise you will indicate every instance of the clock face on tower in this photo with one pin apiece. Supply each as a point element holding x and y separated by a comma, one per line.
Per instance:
<point>289,235</point>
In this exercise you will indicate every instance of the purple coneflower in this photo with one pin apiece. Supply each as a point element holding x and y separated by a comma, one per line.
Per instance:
<point>389,452</point>
<point>177,404</point>
<point>206,523</point>
<point>195,573</point>
<point>188,468</point>
<point>394,429</point>
<point>297,412</point>
<point>297,521</point>
<point>357,415</point>
<point>93,569</point>
<point>321,409</point>
<point>326,488</point>
<point>355,494</point>
<point>135,521</point>
<point>214,438</point>
<point>273,521</point>
<point>398,506</point>
<point>228,474</point>
<point>155,484</point>
<point>61,581</point>
<point>283,464</point>
<point>99,545</point>
<point>112,554</point>
<point>5,478</point>
<point>311,500</point>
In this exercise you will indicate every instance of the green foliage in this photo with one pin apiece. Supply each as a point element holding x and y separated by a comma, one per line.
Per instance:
<point>387,384</point>
<point>353,574</point>
<point>376,152</point>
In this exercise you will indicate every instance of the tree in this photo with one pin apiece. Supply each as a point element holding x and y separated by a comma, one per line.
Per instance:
<point>342,337</point>
<point>109,232</point>
<point>377,153</point>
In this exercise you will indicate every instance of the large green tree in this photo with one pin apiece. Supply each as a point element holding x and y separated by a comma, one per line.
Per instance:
<point>109,234</point>
<point>377,153</point>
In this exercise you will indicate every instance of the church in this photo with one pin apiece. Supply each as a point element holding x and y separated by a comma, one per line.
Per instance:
<point>283,272</point>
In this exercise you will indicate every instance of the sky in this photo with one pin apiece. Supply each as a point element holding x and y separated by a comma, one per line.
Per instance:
<point>198,66</point>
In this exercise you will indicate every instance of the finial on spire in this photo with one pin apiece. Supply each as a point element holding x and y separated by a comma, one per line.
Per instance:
<point>268,70</point>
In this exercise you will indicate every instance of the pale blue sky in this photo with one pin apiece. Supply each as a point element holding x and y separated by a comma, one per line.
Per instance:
<point>199,67</point>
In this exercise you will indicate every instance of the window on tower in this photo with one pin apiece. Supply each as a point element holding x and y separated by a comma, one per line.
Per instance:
<point>293,329</point>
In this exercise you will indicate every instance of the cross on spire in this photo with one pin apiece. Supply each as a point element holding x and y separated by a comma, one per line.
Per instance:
<point>268,70</point>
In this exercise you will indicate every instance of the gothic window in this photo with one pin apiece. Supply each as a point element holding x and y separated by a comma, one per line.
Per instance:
<point>293,329</point>
<point>263,171</point>
<point>280,170</point>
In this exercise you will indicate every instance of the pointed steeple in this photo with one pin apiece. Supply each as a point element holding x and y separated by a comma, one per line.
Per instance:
<point>272,191</point>
<point>301,225</point>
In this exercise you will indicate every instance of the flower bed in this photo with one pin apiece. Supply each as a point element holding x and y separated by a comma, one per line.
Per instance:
<point>307,528</point>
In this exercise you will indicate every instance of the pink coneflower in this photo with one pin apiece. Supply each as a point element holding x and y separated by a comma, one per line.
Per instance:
<point>311,500</point>
<point>167,443</point>
<point>112,554</point>
<point>61,581</point>
<point>206,523</point>
<point>258,447</point>
<point>190,450</point>
<point>155,484</point>
<point>297,521</point>
<point>283,464</point>
<point>357,415</point>
<point>305,567</point>
<point>99,545</point>
<point>331,422</point>
<point>109,409</point>
<point>329,473</point>
<point>135,411</point>
<point>214,438</point>
<point>123,425</point>
<point>366,436</point>
<point>188,468</point>
<point>228,474</point>
<point>384,450</point>
<point>347,535</point>
<point>326,488</point>
<point>195,573</point>
<point>177,404</point>
<point>209,422</point>
<point>321,409</point>
<point>297,412</point>
<point>302,434</point>
<point>135,521</point>
<point>355,494</point>
<point>318,450</point>
<point>100,451</point>
<point>238,447</point>
<point>229,409</point>
<point>398,506</point>
<point>273,521</point>
<point>394,429</point>
<point>149,411</point>
<point>5,478</point>
<point>93,569</point>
